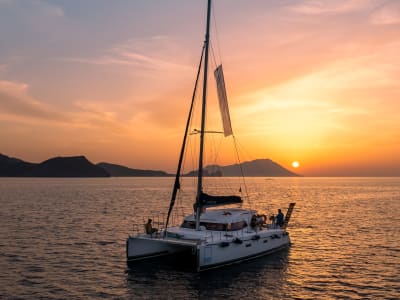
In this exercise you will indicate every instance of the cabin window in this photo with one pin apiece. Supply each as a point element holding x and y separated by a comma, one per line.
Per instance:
<point>216,226</point>
<point>238,225</point>
<point>188,224</point>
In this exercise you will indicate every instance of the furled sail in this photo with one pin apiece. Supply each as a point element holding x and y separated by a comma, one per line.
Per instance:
<point>208,200</point>
<point>223,101</point>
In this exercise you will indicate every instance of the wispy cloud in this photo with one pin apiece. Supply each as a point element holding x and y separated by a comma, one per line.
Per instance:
<point>387,14</point>
<point>15,100</point>
<point>315,7</point>
<point>17,105</point>
<point>3,68</point>
<point>156,53</point>
<point>33,9</point>
<point>304,72</point>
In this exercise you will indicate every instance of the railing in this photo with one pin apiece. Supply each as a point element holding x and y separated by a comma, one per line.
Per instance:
<point>158,221</point>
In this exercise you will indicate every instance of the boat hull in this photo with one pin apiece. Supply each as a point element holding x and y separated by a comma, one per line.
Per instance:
<point>145,247</point>
<point>224,253</point>
<point>208,255</point>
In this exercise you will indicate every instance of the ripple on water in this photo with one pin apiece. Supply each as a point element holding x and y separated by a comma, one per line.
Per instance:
<point>65,238</point>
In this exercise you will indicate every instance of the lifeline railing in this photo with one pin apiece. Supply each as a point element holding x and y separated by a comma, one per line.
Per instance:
<point>158,221</point>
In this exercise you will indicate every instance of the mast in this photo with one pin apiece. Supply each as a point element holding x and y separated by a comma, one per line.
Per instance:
<point>203,118</point>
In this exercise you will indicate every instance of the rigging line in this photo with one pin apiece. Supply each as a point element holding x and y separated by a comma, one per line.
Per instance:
<point>192,145</point>
<point>216,33</point>
<point>177,175</point>
<point>191,148</point>
<point>249,155</point>
<point>213,56</point>
<point>216,149</point>
<point>241,170</point>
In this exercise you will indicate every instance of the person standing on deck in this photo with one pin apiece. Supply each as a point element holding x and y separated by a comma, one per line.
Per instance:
<point>280,218</point>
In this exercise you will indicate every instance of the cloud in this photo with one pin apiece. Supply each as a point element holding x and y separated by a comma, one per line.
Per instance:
<point>344,97</point>
<point>33,8</point>
<point>387,14</point>
<point>49,9</point>
<point>16,105</point>
<point>156,53</point>
<point>383,12</point>
<point>315,7</point>
<point>3,68</point>
<point>14,100</point>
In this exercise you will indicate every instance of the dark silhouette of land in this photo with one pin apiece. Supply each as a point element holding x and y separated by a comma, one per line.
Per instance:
<point>254,168</point>
<point>80,166</point>
<point>75,166</point>
<point>14,167</point>
<point>122,171</point>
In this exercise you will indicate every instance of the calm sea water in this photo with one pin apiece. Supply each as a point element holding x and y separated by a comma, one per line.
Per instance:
<point>65,238</point>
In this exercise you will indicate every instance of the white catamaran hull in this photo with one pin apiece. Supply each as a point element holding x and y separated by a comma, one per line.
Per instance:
<point>208,255</point>
<point>217,254</point>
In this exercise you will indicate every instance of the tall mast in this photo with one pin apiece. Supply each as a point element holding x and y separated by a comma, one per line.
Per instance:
<point>203,118</point>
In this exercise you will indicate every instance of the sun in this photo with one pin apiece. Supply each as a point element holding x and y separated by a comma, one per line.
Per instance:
<point>295,164</point>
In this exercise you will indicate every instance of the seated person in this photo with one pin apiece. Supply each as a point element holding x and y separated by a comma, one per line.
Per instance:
<point>149,228</point>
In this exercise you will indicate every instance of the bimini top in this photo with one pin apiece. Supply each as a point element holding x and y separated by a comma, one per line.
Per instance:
<point>209,201</point>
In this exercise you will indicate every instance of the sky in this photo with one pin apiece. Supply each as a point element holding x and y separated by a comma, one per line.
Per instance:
<point>310,81</point>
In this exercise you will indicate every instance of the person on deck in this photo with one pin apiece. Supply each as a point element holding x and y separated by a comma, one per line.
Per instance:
<point>149,228</point>
<point>253,222</point>
<point>280,218</point>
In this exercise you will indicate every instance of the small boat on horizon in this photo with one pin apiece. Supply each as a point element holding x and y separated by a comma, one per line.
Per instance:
<point>212,237</point>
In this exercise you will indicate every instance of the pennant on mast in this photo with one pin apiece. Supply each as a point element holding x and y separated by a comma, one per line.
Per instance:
<point>223,101</point>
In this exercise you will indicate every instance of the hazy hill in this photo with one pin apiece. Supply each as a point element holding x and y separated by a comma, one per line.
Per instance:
<point>254,168</point>
<point>122,171</point>
<point>75,166</point>
<point>258,168</point>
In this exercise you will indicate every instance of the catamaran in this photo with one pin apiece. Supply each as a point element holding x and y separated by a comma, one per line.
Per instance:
<point>212,237</point>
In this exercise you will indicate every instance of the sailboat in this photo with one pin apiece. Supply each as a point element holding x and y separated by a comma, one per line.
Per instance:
<point>219,232</point>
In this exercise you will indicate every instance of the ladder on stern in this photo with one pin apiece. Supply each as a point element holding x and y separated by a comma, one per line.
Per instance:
<point>288,214</point>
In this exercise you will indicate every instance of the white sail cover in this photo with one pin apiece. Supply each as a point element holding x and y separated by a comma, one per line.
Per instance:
<point>223,101</point>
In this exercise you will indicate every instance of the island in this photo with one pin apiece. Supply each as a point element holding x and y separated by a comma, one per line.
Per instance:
<point>80,166</point>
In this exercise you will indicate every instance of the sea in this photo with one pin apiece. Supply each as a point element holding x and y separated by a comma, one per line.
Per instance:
<point>65,239</point>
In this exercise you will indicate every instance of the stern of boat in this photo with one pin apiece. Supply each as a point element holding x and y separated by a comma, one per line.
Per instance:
<point>144,247</point>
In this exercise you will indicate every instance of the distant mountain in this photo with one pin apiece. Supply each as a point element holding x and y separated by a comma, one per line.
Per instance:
<point>254,168</point>
<point>208,171</point>
<point>11,167</point>
<point>258,168</point>
<point>75,166</point>
<point>79,166</point>
<point>122,171</point>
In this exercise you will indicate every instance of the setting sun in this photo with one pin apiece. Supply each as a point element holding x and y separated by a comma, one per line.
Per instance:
<point>295,164</point>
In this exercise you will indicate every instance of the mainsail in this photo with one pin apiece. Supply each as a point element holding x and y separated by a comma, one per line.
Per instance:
<point>209,200</point>
<point>223,101</point>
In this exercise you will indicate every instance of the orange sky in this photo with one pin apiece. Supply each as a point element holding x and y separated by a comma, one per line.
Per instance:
<point>309,81</point>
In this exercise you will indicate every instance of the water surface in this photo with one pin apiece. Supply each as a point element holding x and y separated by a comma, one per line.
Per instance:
<point>65,238</point>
